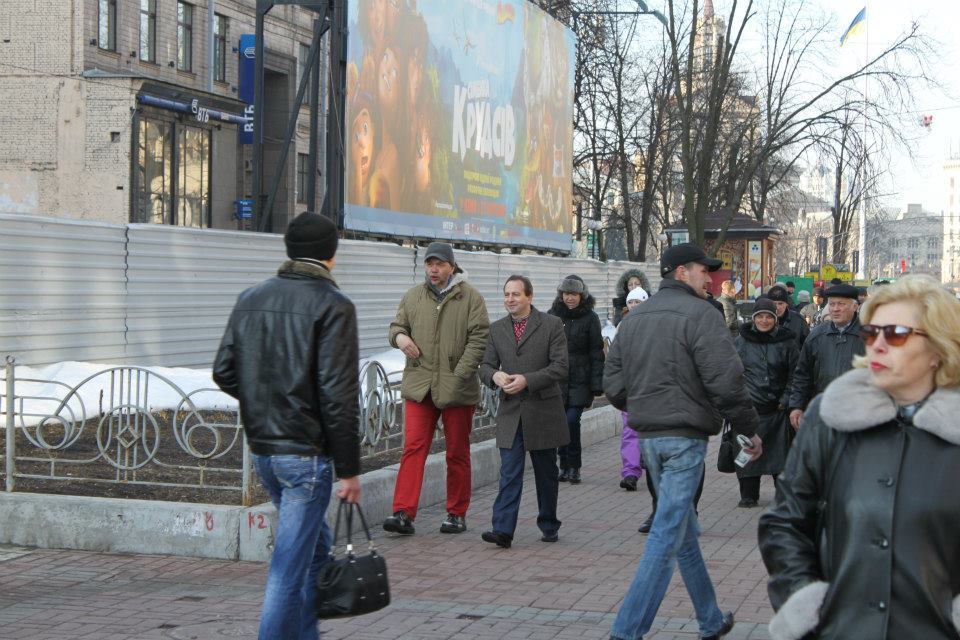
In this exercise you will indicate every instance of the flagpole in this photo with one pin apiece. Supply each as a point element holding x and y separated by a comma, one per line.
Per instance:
<point>862,220</point>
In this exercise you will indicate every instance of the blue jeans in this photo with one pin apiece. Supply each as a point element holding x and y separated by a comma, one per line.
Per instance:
<point>545,474</point>
<point>674,465</point>
<point>299,487</point>
<point>570,454</point>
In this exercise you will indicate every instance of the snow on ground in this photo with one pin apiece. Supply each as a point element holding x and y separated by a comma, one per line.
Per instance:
<point>43,389</point>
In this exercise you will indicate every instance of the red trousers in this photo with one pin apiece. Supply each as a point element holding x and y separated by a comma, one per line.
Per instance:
<point>420,420</point>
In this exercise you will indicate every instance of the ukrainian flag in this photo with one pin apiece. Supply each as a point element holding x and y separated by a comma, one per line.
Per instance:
<point>855,26</point>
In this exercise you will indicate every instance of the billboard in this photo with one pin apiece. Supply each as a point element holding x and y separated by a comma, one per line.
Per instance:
<point>459,122</point>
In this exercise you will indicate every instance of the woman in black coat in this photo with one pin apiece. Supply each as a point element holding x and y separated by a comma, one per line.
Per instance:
<point>861,542</point>
<point>574,305</point>
<point>769,354</point>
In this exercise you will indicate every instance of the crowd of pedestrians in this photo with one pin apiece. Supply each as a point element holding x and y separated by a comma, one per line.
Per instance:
<point>849,406</point>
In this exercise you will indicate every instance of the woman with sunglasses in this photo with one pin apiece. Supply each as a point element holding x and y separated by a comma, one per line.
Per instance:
<point>862,539</point>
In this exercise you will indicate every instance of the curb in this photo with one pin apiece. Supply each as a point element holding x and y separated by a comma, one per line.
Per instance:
<point>114,525</point>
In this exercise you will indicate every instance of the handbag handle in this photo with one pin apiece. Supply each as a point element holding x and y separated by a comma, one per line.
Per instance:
<point>349,506</point>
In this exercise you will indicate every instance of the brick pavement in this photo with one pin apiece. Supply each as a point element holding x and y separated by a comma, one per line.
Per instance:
<point>443,586</point>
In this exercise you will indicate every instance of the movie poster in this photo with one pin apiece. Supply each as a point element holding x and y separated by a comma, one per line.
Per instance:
<point>460,122</point>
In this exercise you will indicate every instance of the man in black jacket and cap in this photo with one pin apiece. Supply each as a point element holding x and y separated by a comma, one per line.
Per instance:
<point>786,316</point>
<point>828,351</point>
<point>674,369</point>
<point>290,356</point>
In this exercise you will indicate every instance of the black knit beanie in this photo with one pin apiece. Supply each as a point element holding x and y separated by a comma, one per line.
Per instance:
<point>311,235</point>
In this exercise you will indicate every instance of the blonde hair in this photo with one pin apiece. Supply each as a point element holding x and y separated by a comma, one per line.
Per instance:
<point>938,313</point>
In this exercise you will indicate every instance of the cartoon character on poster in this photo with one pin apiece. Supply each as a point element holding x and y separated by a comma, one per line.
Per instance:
<point>755,278</point>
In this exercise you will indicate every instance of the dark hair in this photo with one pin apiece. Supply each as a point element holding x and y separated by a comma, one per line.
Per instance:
<point>672,274</point>
<point>790,284</point>
<point>527,285</point>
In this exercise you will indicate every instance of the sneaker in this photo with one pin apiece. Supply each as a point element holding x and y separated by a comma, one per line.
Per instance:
<point>724,630</point>
<point>454,524</point>
<point>747,503</point>
<point>629,483</point>
<point>399,523</point>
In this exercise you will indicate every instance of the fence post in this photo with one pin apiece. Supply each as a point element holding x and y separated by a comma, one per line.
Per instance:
<point>10,425</point>
<point>246,489</point>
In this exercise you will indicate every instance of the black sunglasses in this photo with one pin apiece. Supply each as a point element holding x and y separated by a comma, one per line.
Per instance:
<point>894,334</point>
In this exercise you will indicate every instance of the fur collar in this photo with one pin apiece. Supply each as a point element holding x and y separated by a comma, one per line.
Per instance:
<point>310,268</point>
<point>852,403</point>
<point>561,310</point>
<point>458,277</point>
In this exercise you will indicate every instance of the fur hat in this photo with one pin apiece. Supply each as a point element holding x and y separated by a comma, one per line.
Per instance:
<point>311,235</point>
<point>573,284</point>
<point>778,294</point>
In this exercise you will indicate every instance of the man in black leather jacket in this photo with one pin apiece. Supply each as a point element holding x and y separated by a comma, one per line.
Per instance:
<point>290,356</point>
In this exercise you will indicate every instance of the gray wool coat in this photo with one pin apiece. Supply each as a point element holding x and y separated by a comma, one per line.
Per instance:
<point>541,357</point>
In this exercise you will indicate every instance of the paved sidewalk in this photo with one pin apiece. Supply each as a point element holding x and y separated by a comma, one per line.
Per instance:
<point>443,586</point>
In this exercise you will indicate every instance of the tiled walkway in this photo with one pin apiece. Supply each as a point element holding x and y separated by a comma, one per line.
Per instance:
<point>443,586</point>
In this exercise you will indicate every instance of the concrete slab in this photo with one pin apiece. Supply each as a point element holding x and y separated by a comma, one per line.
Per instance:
<point>219,531</point>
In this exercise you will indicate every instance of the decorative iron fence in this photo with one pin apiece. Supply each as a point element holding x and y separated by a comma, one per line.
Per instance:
<point>147,431</point>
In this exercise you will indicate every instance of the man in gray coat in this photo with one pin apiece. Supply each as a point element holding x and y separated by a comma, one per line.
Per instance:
<point>526,358</point>
<point>674,369</point>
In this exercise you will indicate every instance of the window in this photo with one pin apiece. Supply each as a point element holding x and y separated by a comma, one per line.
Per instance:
<point>302,61</point>
<point>220,26</point>
<point>107,24</point>
<point>913,243</point>
<point>148,30</point>
<point>184,36</point>
<point>173,174</point>
<point>193,176</point>
<point>303,163</point>
<point>932,257</point>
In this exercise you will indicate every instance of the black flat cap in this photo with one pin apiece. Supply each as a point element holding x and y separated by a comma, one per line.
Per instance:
<point>843,291</point>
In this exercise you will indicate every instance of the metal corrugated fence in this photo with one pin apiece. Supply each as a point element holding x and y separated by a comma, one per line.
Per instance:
<point>160,295</point>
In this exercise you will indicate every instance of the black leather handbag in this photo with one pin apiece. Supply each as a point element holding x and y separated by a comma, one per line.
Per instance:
<point>354,584</point>
<point>728,450</point>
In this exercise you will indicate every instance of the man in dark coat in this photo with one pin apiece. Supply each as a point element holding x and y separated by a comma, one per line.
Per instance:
<point>526,358</point>
<point>574,306</point>
<point>289,355</point>
<point>674,370</point>
<point>786,316</point>
<point>828,352</point>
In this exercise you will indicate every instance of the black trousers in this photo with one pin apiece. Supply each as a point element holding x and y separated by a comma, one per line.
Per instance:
<point>750,487</point>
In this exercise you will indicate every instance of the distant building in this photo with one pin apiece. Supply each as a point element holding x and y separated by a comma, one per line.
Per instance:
<point>111,111</point>
<point>951,221</point>
<point>911,242</point>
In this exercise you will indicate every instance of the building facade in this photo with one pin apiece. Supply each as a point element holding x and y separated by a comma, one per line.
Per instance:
<point>910,242</point>
<point>951,221</point>
<point>112,110</point>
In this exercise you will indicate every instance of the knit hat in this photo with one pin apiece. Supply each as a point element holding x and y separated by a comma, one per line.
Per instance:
<point>778,294</point>
<point>803,296</point>
<point>311,235</point>
<point>573,284</point>
<point>764,305</point>
<point>638,294</point>
<point>440,251</point>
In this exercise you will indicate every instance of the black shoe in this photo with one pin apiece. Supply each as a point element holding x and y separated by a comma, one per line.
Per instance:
<point>574,476</point>
<point>550,537</point>
<point>454,524</point>
<point>747,503</point>
<point>647,524</point>
<point>399,523</point>
<point>724,630</point>
<point>629,483</point>
<point>497,538</point>
<point>564,475</point>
